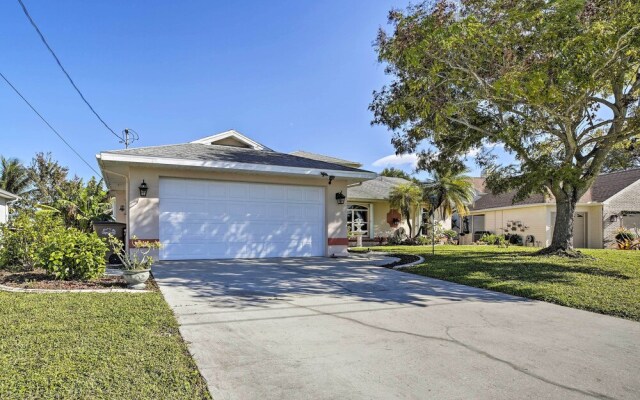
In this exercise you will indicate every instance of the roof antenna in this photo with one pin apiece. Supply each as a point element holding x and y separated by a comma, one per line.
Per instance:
<point>129,136</point>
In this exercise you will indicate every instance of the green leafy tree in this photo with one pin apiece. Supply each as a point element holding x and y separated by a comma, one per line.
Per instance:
<point>395,173</point>
<point>48,177</point>
<point>452,191</point>
<point>81,204</point>
<point>406,198</point>
<point>14,177</point>
<point>556,82</point>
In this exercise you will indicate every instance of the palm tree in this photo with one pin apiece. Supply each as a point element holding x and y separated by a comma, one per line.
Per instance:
<point>14,177</point>
<point>407,198</point>
<point>451,190</point>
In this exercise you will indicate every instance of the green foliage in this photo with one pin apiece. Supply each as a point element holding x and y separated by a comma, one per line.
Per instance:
<point>498,240</point>
<point>136,258</point>
<point>41,240</point>
<point>452,190</point>
<point>72,254</point>
<point>556,82</point>
<point>14,177</point>
<point>23,238</point>
<point>406,198</point>
<point>450,234</point>
<point>396,173</point>
<point>80,204</point>
<point>94,346</point>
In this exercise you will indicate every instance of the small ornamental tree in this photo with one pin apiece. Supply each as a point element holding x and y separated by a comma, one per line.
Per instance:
<point>556,82</point>
<point>406,197</point>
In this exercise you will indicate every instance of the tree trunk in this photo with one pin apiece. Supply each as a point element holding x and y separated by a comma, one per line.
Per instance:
<point>562,240</point>
<point>408,217</point>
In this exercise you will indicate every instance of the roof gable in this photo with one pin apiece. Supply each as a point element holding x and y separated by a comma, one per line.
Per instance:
<point>232,138</point>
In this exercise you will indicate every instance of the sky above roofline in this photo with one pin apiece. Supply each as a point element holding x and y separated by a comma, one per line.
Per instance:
<point>291,75</point>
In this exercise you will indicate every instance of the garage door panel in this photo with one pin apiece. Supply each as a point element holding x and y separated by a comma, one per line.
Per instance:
<point>213,219</point>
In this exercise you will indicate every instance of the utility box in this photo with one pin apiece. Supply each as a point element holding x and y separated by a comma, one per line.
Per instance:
<point>117,229</point>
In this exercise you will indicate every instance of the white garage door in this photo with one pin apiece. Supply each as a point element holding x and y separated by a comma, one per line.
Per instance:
<point>213,219</point>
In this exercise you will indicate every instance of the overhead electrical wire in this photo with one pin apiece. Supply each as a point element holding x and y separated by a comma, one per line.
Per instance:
<point>48,124</point>
<point>26,12</point>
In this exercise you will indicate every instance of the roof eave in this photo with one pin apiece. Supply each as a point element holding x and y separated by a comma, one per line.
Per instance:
<point>234,166</point>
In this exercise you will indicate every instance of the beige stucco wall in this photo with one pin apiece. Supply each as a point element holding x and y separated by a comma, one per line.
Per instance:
<point>4,210</point>
<point>120,197</point>
<point>144,212</point>
<point>539,220</point>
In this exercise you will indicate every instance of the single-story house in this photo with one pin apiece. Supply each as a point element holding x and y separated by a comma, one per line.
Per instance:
<point>5,199</point>
<point>228,196</point>
<point>612,202</point>
<point>369,201</point>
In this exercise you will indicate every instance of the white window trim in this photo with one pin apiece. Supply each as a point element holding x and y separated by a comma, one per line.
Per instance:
<point>366,208</point>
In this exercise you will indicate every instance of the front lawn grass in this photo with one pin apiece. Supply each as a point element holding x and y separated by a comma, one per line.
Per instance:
<point>93,346</point>
<point>608,282</point>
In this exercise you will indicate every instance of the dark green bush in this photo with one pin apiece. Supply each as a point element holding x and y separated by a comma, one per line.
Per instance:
<point>73,254</point>
<point>23,237</point>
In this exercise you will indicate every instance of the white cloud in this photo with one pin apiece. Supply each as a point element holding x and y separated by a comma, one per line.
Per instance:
<point>394,160</point>
<point>473,152</point>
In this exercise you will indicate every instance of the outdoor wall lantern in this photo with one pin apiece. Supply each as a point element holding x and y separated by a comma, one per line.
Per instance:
<point>340,197</point>
<point>613,218</point>
<point>122,208</point>
<point>144,188</point>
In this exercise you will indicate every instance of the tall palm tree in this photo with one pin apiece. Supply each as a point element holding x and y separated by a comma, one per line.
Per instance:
<point>407,198</point>
<point>14,177</point>
<point>451,190</point>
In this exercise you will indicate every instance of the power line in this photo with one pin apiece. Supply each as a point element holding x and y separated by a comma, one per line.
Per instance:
<point>48,124</point>
<point>26,12</point>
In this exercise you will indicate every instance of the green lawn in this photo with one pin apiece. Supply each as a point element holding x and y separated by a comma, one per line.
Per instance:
<point>609,283</point>
<point>93,346</point>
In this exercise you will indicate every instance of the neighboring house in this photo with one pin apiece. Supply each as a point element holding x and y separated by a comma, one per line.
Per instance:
<point>5,199</point>
<point>227,196</point>
<point>611,203</point>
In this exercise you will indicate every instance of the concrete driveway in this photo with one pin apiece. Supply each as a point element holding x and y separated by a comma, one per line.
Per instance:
<point>346,329</point>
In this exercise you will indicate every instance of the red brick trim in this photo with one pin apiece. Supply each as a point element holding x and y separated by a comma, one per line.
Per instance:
<point>132,242</point>
<point>338,241</point>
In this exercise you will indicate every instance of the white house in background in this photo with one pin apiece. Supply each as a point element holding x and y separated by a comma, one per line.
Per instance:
<point>612,202</point>
<point>5,199</point>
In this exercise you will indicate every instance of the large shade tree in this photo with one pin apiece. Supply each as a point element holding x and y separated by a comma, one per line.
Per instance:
<point>556,82</point>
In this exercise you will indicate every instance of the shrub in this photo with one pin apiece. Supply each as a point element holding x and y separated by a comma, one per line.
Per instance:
<point>22,238</point>
<point>73,254</point>
<point>449,234</point>
<point>422,240</point>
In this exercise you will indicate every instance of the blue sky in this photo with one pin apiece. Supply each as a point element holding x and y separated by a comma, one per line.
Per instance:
<point>294,75</point>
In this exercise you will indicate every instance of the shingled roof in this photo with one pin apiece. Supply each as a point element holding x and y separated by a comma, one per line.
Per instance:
<point>375,189</point>
<point>211,152</point>
<point>329,159</point>
<point>604,187</point>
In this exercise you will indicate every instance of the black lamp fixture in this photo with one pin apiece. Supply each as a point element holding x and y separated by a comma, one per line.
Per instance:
<point>340,198</point>
<point>613,218</point>
<point>144,188</point>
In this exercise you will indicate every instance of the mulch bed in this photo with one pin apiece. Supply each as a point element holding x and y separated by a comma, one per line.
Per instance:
<point>39,279</point>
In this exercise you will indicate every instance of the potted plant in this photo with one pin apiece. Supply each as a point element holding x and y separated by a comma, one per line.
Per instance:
<point>136,263</point>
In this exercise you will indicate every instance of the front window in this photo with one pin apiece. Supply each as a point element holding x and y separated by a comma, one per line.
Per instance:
<point>354,212</point>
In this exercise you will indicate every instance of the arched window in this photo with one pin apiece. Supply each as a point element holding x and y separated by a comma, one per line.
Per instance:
<point>354,212</point>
